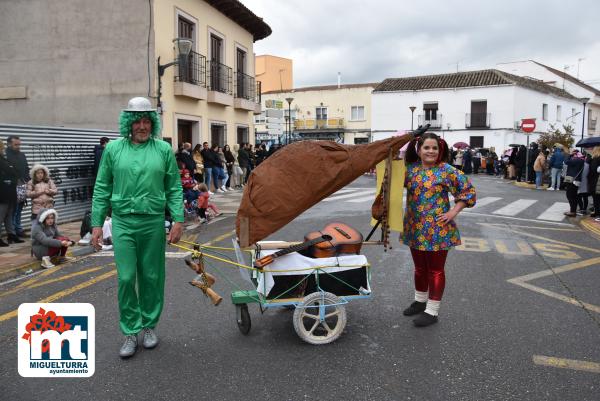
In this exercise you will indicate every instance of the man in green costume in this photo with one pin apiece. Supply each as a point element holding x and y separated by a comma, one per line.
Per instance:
<point>138,178</point>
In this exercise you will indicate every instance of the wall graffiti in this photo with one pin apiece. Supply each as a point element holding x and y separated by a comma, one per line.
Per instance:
<point>77,194</point>
<point>54,152</point>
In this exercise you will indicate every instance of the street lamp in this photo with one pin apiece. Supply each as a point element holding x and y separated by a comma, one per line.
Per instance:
<point>289,100</point>
<point>412,115</point>
<point>184,46</point>
<point>584,100</point>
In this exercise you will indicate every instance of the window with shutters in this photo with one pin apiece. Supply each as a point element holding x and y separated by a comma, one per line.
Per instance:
<point>430,110</point>
<point>544,112</point>
<point>558,113</point>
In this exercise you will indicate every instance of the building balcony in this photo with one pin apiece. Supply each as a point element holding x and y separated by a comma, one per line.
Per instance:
<point>308,124</point>
<point>220,83</point>
<point>478,120</point>
<point>434,124</point>
<point>245,94</point>
<point>190,77</point>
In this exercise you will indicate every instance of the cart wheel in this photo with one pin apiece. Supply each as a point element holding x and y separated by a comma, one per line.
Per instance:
<point>243,318</point>
<point>308,324</point>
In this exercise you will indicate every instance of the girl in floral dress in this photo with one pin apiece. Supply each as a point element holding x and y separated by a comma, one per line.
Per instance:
<point>429,227</point>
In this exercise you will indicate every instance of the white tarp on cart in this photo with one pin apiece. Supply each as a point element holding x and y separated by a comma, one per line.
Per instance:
<point>290,264</point>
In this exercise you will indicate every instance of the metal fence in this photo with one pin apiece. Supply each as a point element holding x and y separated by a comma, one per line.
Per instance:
<point>69,155</point>
<point>192,69</point>
<point>220,77</point>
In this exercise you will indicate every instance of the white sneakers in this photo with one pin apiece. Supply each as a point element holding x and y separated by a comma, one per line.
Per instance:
<point>219,190</point>
<point>87,238</point>
<point>550,189</point>
<point>107,247</point>
<point>46,263</point>
<point>211,193</point>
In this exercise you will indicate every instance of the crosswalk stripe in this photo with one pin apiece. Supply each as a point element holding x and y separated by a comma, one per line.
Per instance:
<point>485,201</point>
<point>515,207</point>
<point>347,196</point>
<point>555,212</point>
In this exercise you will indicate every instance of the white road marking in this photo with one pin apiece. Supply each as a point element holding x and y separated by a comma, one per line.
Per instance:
<point>485,201</point>
<point>555,212</point>
<point>515,207</point>
<point>466,212</point>
<point>352,195</point>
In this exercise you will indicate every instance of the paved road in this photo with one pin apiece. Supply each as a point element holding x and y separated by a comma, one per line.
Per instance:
<point>520,320</point>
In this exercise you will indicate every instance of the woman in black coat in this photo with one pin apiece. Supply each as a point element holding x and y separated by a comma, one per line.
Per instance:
<point>8,196</point>
<point>575,164</point>
<point>521,162</point>
<point>593,184</point>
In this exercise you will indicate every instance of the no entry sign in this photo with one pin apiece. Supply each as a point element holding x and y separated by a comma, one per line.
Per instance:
<point>528,124</point>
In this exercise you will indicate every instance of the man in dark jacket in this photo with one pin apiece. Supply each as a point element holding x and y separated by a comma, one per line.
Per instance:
<point>533,154</point>
<point>185,156</point>
<point>244,161</point>
<point>19,161</point>
<point>208,159</point>
<point>98,149</point>
<point>521,162</point>
<point>8,197</point>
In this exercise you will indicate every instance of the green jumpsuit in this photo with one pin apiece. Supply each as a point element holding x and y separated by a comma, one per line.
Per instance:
<point>138,181</point>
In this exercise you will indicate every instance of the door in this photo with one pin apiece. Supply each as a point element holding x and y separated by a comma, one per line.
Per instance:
<point>216,73</point>
<point>242,90</point>
<point>479,114</point>
<point>184,131</point>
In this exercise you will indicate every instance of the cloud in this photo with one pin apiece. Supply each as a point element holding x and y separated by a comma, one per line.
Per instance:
<point>370,41</point>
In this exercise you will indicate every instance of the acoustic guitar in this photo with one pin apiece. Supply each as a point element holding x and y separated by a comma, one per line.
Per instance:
<point>334,239</point>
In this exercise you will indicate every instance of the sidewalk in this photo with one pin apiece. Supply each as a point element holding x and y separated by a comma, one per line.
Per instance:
<point>16,259</point>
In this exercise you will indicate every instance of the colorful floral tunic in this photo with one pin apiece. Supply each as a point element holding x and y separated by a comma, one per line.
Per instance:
<point>426,199</point>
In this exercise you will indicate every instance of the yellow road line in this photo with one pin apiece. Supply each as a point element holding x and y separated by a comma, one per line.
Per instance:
<point>566,363</point>
<point>37,278</point>
<point>557,270</point>
<point>220,238</point>
<point>555,295</point>
<point>34,283</point>
<point>590,226</point>
<point>68,276</point>
<point>544,238</point>
<point>63,293</point>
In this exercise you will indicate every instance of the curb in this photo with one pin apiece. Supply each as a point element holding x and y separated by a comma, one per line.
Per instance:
<point>528,185</point>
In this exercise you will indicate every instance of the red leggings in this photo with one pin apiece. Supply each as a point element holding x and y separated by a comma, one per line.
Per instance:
<point>62,251</point>
<point>429,272</point>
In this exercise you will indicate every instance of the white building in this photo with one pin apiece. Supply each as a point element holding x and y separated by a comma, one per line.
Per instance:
<point>562,80</point>
<point>340,113</point>
<point>482,108</point>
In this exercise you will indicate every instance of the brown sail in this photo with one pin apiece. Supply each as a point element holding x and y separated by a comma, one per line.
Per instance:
<point>298,177</point>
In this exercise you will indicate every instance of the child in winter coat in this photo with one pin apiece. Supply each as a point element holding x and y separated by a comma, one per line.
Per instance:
<point>204,204</point>
<point>40,189</point>
<point>47,241</point>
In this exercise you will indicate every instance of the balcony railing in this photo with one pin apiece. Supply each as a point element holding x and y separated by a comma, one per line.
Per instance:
<point>477,120</point>
<point>245,86</point>
<point>319,124</point>
<point>220,77</point>
<point>435,123</point>
<point>192,69</point>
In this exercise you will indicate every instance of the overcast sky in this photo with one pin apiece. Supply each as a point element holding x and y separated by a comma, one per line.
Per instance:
<point>368,41</point>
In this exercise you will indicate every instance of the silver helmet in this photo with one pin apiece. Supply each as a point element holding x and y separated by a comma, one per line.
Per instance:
<point>139,104</point>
